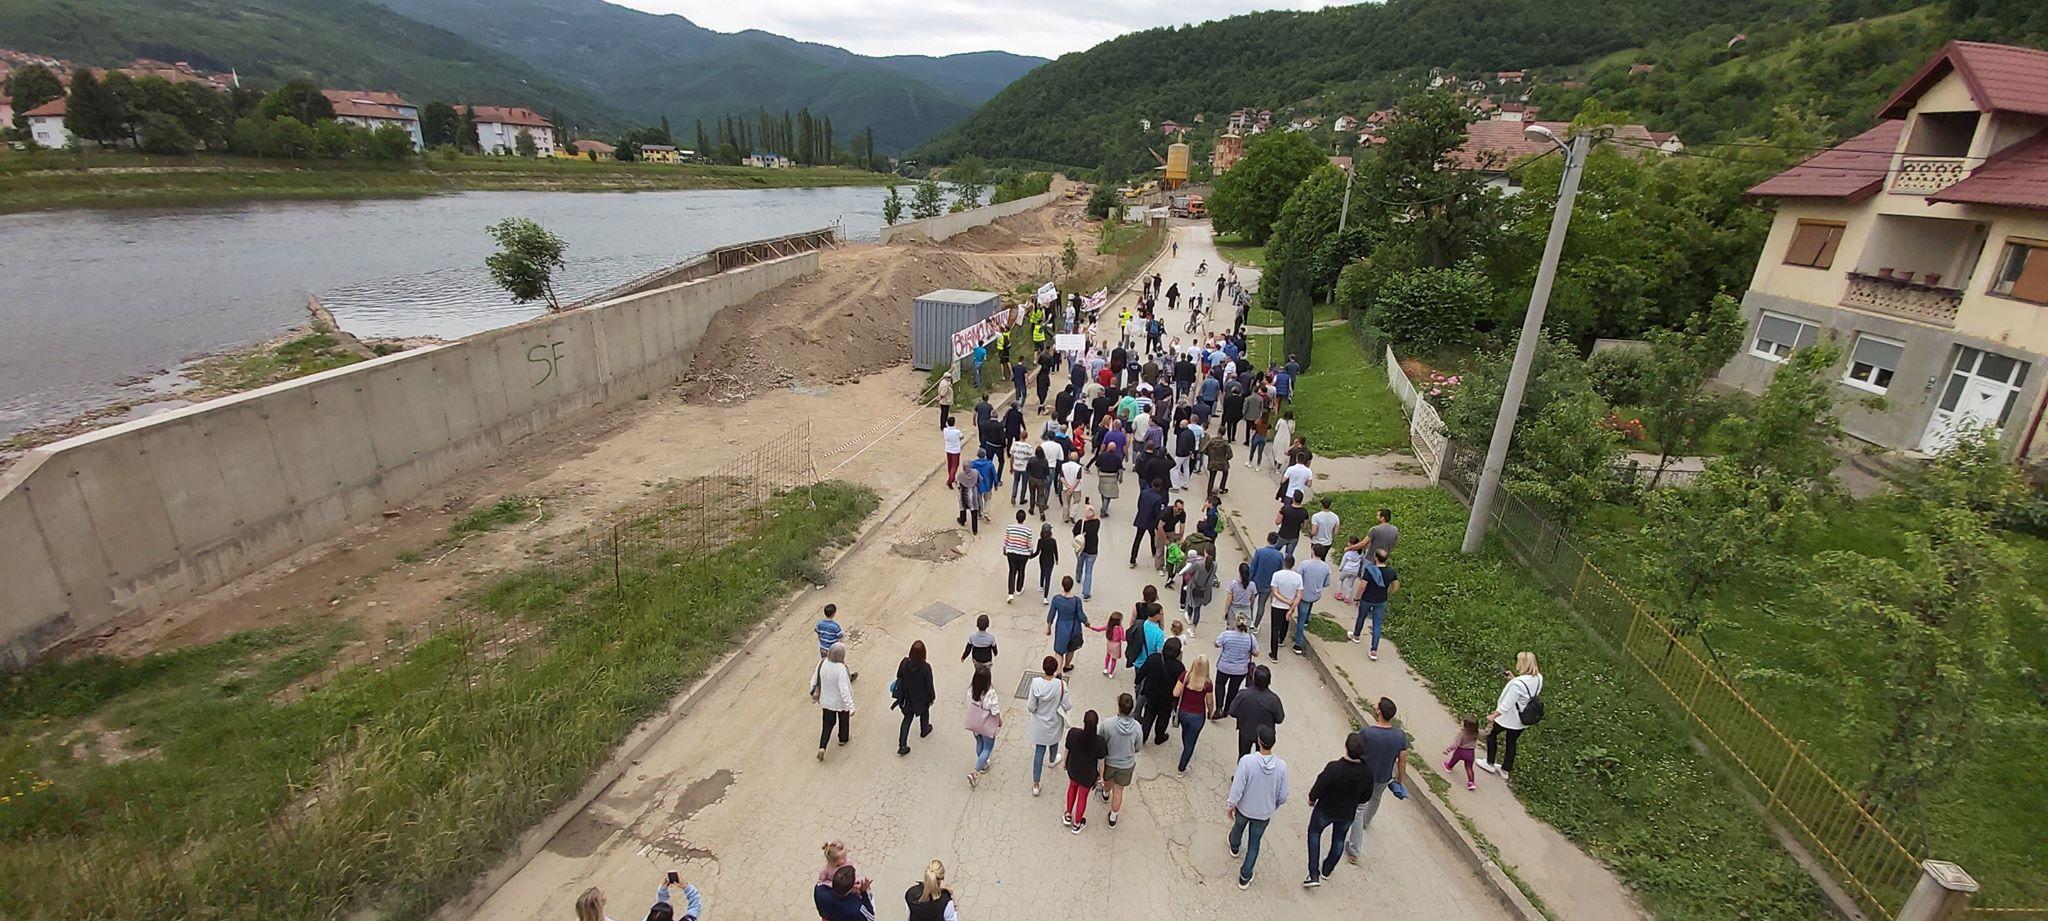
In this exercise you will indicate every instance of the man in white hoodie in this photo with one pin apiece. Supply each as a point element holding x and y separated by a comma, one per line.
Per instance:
<point>1256,793</point>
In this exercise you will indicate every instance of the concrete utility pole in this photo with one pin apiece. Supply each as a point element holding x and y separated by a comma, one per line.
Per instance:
<point>1345,214</point>
<point>1532,328</point>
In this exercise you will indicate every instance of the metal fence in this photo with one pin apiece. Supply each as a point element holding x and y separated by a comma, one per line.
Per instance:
<point>1853,839</point>
<point>688,517</point>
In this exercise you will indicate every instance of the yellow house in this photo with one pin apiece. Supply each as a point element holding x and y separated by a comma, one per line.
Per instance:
<point>1921,247</point>
<point>660,153</point>
<point>587,149</point>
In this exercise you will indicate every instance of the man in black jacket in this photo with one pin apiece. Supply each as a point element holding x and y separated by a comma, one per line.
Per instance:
<point>1333,804</point>
<point>1254,707</point>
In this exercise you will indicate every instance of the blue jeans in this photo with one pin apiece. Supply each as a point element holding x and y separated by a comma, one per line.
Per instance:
<point>1287,545</point>
<point>1374,611</point>
<point>1261,598</point>
<point>1190,729</point>
<point>1301,615</point>
<point>1020,485</point>
<point>1040,754</point>
<point>1251,850</point>
<point>977,375</point>
<point>1316,823</point>
<point>983,747</point>
<point>1084,573</point>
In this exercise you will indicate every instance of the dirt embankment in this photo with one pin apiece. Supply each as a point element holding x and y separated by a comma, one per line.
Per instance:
<point>853,317</point>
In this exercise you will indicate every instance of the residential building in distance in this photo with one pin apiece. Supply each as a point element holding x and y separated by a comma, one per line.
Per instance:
<point>1495,146</point>
<point>46,125</point>
<point>766,159</point>
<point>659,153</point>
<point>375,109</point>
<point>6,110</point>
<point>1921,248</point>
<point>1228,150</point>
<point>498,129</point>
<point>589,149</point>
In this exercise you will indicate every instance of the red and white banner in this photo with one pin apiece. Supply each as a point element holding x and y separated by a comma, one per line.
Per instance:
<point>1095,302</point>
<point>980,333</point>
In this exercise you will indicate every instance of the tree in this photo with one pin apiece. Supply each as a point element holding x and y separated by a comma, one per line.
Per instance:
<point>333,140</point>
<point>93,113</point>
<point>969,176</point>
<point>1305,252</point>
<point>1675,377</point>
<point>526,260</point>
<point>1069,256</point>
<point>1938,615</point>
<point>387,142</point>
<point>1722,522</point>
<point>1249,197</point>
<point>289,138</point>
<point>29,87</point>
<point>164,134</point>
<point>1561,455</point>
<point>300,99</point>
<point>1788,429</point>
<point>466,137</point>
<point>1433,215</point>
<point>892,206</point>
<point>1431,310</point>
<point>929,200</point>
<point>1101,202</point>
<point>523,145</point>
<point>439,125</point>
<point>703,141</point>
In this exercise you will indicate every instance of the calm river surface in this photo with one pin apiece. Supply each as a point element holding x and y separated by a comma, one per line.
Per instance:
<point>94,303</point>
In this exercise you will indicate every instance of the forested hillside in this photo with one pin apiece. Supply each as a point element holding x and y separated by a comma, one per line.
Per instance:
<point>1084,109</point>
<point>652,66</point>
<point>341,43</point>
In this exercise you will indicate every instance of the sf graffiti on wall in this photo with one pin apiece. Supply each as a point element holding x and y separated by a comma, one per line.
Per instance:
<point>548,355</point>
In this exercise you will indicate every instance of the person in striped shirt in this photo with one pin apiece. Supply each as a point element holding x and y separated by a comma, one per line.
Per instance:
<point>1018,547</point>
<point>830,634</point>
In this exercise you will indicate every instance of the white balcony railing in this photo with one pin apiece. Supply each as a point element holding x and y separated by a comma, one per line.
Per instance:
<point>1928,175</point>
<point>1906,300</point>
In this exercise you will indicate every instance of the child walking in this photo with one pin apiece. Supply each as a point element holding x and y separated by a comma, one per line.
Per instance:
<point>836,856</point>
<point>1461,750</point>
<point>1347,573</point>
<point>1112,650</point>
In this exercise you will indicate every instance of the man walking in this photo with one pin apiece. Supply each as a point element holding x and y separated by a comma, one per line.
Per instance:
<point>1257,791</point>
<point>1219,451</point>
<point>1333,803</point>
<point>1256,708</point>
<point>1315,577</point>
<point>944,398</point>
<point>1383,744</point>
<point>954,440</point>
<point>1265,561</point>
<point>1322,529</point>
<point>1018,546</point>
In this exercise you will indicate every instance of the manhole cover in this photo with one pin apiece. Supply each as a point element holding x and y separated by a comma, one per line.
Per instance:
<point>940,614</point>
<point>1024,686</point>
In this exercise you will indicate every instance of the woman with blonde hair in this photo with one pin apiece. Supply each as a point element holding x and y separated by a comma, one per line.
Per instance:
<point>1520,706</point>
<point>1197,695</point>
<point>930,900</point>
<point>590,905</point>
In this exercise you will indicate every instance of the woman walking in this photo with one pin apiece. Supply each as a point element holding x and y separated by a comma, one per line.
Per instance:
<point>969,487</point>
<point>1084,768</point>
<point>1519,707</point>
<point>1239,647</point>
<point>1242,591</point>
<point>1088,543</point>
<point>1064,619</point>
<point>984,720</point>
<point>1157,680</point>
<point>1048,554</point>
<point>833,690</point>
<point>930,900</point>
<point>914,695</point>
<point>1197,586</point>
<point>1048,703</point>
<point>1197,695</point>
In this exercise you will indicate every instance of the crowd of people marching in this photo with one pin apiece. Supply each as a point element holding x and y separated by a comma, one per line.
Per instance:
<point>1165,415</point>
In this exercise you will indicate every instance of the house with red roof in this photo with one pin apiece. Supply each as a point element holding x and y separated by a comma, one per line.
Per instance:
<point>498,129</point>
<point>374,109</point>
<point>46,124</point>
<point>1495,147</point>
<point>1920,247</point>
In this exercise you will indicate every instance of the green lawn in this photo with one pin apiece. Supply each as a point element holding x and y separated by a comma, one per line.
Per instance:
<point>1342,403</point>
<point>1266,316</point>
<point>1609,766</point>
<point>203,783</point>
<point>1815,681</point>
<point>1234,250</point>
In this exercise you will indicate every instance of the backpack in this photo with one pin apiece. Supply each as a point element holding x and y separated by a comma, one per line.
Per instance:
<point>1531,711</point>
<point>1134,644</point>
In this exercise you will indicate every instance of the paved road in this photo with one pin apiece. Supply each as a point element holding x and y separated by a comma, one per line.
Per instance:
<point>733,798</point>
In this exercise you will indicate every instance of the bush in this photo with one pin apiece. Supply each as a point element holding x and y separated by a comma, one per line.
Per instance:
<point>164,134</point>
<point>1432,309</point>
<point>1102,202</point>
<point>333,140</point>
<point>1354,289</point>
<point>1618,375</point>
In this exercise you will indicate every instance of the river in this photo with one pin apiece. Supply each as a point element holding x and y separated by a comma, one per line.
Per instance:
<point>100,305</point>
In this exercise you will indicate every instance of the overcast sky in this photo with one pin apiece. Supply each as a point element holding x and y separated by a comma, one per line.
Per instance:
<point>1047,28</point>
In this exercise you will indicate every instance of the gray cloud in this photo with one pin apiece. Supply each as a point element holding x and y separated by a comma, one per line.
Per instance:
<point>1047,28</point>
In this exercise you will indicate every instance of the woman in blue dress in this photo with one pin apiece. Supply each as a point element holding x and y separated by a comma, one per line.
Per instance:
<point>1064,620</point>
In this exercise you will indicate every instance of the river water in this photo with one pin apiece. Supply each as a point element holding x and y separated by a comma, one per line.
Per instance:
<point>98,305</point>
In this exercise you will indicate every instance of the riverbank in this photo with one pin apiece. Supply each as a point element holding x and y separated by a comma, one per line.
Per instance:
<point>51,180</point>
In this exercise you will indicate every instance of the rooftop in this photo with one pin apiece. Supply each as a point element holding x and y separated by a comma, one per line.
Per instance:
<point>2001,78</point>
<point>1493,146</point>
<point>1854,169</point>
<point>507,115</point>
<point>370,104</point>
<point>2016,177</point>
<point>53,107</point>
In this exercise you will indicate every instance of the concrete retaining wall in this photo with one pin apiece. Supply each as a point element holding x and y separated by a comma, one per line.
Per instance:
<point>947,225</point>
<point>143,514</point>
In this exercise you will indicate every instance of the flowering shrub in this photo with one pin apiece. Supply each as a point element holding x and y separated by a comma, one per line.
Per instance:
<point>1630,428</point>
<point>1441,388</point>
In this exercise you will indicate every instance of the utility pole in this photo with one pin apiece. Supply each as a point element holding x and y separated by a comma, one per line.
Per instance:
<point>1525,348</point>
<point>1345,215</point>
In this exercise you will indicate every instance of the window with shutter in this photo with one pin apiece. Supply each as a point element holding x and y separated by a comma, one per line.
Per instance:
<point>2023,273</point>
<point>1872,363</point>
<point>1778,336</point>
<point>1814,244</point>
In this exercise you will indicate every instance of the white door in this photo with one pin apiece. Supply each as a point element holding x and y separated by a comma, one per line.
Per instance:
<point>1978,395</point>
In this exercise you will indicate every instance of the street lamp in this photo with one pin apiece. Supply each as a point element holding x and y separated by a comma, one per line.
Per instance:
<point>1532,328</point>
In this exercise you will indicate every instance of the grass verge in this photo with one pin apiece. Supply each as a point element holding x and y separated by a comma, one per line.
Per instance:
<point>1609,766</point>
<point>1239,252</point>
<point>1342,403</point>
<point>194,784</point>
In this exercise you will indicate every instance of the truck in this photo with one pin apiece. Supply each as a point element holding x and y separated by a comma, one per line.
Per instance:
<point>1189,206</point>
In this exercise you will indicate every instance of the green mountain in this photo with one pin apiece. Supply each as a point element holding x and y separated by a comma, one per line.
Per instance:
<point>340,43</point>
<point>1084,109</point>
<point>654,65</point>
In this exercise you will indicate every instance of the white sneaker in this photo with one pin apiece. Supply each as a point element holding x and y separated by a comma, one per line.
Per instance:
<point>1487,766</point>
<point>1034,789</point>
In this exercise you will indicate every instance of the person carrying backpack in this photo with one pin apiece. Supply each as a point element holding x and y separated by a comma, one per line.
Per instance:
<point>1520,707</point>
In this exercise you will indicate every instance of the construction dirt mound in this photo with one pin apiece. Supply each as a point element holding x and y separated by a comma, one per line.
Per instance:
<point>853,316</point>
